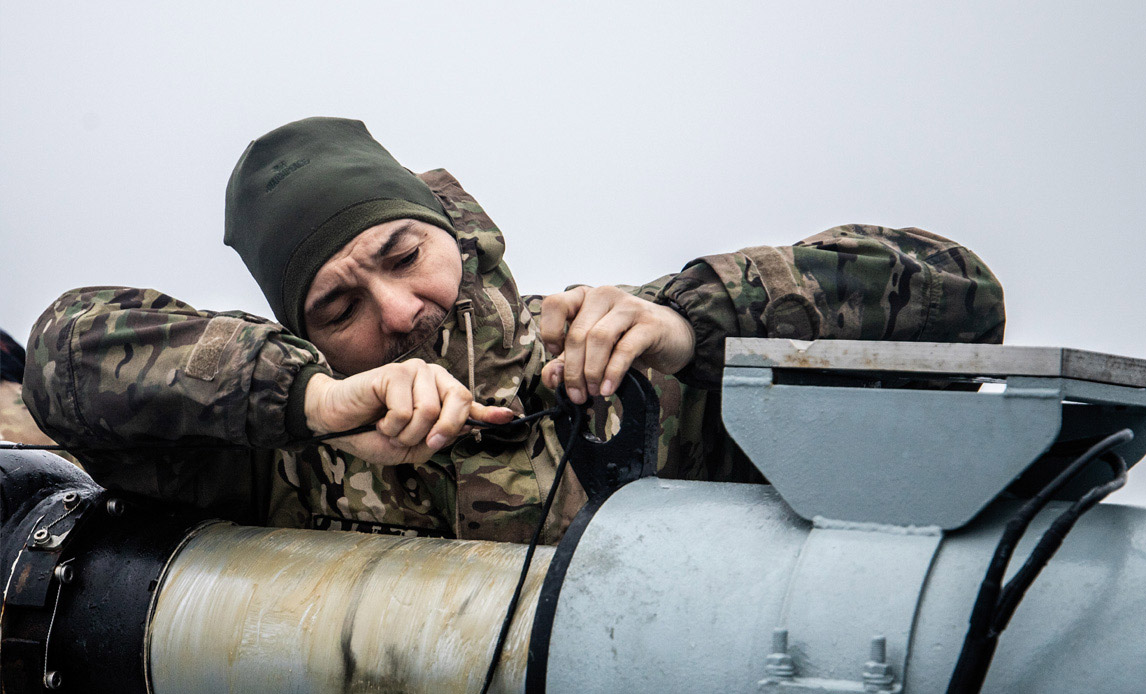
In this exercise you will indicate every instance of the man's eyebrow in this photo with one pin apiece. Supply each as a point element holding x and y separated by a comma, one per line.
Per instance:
<point>396,237</point>
<point>334,294</point>
<point>328,297</point>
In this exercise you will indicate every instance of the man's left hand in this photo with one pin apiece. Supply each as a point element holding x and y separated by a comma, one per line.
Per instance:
<point>597,333</point>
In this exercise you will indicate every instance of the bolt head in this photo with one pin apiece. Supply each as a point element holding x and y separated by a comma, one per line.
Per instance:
<point>71,497</point>
<point>115,507</point>
<point>41,536</point>
<point>53,679</point>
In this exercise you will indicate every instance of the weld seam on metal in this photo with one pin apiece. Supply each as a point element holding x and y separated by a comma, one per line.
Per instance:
<point>746,381</point>
<point>911,632</point>
<point>868,527</point>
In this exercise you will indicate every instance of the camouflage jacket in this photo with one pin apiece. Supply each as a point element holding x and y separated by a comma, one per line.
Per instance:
<point>152,387</point>
<point>16,424</point>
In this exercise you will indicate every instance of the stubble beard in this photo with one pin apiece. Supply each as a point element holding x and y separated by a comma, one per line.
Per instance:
<point>427,325</point>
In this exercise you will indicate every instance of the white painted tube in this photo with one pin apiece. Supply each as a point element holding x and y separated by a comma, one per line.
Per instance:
<point>245,609</point>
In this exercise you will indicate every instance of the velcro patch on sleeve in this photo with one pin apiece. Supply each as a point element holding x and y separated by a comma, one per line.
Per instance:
<point>207,356</point>
<point>791,313</point>
<point>774,271</point>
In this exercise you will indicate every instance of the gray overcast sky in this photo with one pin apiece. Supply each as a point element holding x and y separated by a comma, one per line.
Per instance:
<point>611,142</point>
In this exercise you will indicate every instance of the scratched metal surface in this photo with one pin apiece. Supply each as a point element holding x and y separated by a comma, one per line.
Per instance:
<point>937,358</point>
<point>275,610</point>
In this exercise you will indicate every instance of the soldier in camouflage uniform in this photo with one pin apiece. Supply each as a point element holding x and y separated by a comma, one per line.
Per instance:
<point>118,367</point>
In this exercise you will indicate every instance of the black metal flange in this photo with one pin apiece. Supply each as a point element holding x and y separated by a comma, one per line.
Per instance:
<point>80,565</point>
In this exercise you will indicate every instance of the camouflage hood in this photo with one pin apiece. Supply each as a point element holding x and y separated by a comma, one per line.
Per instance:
<point>500,477</point>
<point>488,340</point>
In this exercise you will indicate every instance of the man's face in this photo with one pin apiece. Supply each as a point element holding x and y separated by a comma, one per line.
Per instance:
<point>382,294</point>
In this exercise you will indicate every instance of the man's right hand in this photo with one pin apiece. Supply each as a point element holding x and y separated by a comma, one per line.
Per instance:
<point>418,409</point>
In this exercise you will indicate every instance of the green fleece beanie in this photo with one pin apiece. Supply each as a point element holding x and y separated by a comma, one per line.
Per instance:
<point>302,192</point>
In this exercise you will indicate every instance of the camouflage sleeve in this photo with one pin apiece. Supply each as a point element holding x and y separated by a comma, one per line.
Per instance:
<point>851,282</point>
<point>648,291</point>
<point>119,368</point>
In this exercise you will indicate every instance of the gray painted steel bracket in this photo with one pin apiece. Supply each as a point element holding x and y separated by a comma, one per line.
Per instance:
<point>917,457</point>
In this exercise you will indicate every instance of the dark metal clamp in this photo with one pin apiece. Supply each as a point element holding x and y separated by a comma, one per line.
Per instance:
<point>602,467</point>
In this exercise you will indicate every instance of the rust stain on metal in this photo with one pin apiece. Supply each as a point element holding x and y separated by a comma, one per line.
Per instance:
<point>21,579</point>
<point>258,609</point>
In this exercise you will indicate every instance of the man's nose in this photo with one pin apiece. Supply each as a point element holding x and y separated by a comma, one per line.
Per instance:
<point>398,306</point>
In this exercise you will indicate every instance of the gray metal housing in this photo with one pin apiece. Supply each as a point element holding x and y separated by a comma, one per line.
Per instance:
<point>858,569</point>
<point>678,587</point>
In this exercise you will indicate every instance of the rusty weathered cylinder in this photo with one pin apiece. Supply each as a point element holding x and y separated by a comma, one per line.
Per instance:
<point>244,609</point>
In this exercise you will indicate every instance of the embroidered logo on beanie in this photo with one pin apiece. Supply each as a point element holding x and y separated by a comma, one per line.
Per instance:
<point>282,171</point>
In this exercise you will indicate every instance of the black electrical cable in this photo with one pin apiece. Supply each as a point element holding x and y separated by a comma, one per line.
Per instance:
<point>996,603</point>
<point>238,446</point>
<point>469,422</point>
<point>577,414</point>
<point>1052,539</point>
